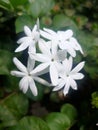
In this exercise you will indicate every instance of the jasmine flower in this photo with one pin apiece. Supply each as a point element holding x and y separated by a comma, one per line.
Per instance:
<point>64,39</point>
<point>68,76</point>
<point>52,51</point>
<point>27,75</point>
<point>70,45</point>
<point>50,57</point>
<point>31,38</point>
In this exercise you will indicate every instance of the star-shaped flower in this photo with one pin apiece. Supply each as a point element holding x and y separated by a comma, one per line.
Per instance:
<point>64,39</point>
<point>69,43</point>
<point>68,75</point>
<point>29,41</point>
<point>50,57</point>
<point>28,77</point>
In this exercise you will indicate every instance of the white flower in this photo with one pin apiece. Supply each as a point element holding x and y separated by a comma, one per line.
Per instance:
<point>68,75</point>
<point>31,38</point>
<point>28,76</point>
<point>70,44</point>
<point>64,39</point>
<point>52,55</point>
<point>50,58</point>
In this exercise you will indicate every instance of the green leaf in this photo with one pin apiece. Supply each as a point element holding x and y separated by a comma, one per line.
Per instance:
<point>31,123</point>
<point>40,7</point>
<point>16,3</point>
<point>80,20</point>
<point>12,108</point>
<point>5,4</point>
<point>70,111</point>
<point>94,101</point>
<point>62,21</point>
<point>86,40</point>
<point>5,62</point>
<point>23,20</point>
<point>88,43</point>
<point>58,121</point>
<point>45,21</point>
<point>95,28</point>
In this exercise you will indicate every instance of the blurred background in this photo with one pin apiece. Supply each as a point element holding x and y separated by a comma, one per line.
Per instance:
<point>79,15</point>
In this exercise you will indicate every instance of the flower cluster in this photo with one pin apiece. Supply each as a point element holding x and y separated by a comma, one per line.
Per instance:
<point>54,52</point>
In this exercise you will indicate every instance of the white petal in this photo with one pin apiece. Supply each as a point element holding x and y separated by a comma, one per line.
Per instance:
<point>77,76</point>
<point>53,74</point>
<point>54,47</point>
<point>30,64</point>
<point>22,46</point>
<point>40,57</point>
<point>44,71</point>
<point>59,86</point>
<point>62,45</point>
<point>67,46</point>
<point>27,31</point>
<point>19,65</point>
<point>42,81</point>
<point>50,31</point>
<point>48,34</point>
<point>34,29</point>
<point>23,84</point>
<point>44,47</point>
<point>61,36</point>
<point>36,32</point>
<point>64,35</point>
<point>71,51</point>
<point>68,64</point>
<point>78,67</point>
<point>23,39</point>
<point>39,68</point>
<point>58,66</point>
<point>33,87</point>
<point>17,73</point>
<point>66,88</point>
<point>56,88</point>
<point>76,44</point>
<point>45,35</point>
<point>32,48</point>
<point>73,83</point>
<point>68,34</point>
